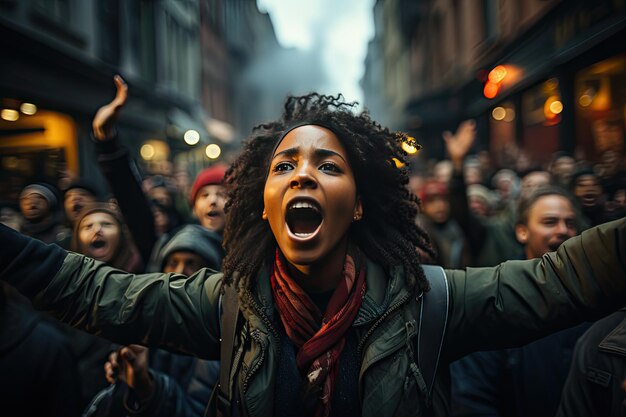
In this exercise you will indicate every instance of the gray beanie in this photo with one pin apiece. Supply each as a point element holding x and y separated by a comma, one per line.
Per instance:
<point>43,190</point>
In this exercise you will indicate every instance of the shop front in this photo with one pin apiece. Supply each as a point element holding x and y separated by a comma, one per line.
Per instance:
<point>36,145</point>
<point>562,87</point>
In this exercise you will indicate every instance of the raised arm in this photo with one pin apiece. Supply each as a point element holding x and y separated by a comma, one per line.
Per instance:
<point>122,174</point>
<point>458,146</point>
<point>162,310</point>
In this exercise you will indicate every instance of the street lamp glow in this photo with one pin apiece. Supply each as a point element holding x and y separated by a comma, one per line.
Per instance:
<point>556,107</point>
<point>498,113</point>
<point>510,115</point>
<point>191,137</point>
<point>585,100</point>
<point>28,109</point>
<point>213,151</point>
<point>147,151</point>
<point>9,115</point>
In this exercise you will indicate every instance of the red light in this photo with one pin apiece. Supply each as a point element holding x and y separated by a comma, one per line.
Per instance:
<point>491,89</point>
<point>497,74</point>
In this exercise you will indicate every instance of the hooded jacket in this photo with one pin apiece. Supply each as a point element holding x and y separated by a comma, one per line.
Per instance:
<point>490,308</point>
<point>194,238</point>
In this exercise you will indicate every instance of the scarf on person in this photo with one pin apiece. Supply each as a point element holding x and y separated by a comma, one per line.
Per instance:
<point>319,337</point>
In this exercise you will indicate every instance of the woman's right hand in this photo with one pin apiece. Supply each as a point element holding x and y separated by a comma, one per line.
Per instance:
<point>105,117</point>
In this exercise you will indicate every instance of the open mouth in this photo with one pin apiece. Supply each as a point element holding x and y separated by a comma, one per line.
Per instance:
<point>303,218</point>
<point>589,199</point>
<point>213,213</point>
<point>98,249</point>
<point>98,244</point>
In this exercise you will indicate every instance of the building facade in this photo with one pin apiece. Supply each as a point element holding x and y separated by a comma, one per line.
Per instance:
<point>538,76</point>
<point>183,60</point>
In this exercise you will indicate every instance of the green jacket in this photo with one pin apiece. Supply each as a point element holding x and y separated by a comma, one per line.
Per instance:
<point>490,308</point>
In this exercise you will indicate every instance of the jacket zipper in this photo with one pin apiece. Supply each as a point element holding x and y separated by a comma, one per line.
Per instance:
<point>255,335</point>
<point>382,318</point>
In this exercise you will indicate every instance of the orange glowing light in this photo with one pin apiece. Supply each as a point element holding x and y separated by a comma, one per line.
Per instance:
<point>556,107</point>
<point>491,89</point>
<point>497,74</point>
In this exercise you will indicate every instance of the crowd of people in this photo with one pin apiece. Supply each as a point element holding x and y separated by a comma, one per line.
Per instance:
<point>320,237</point>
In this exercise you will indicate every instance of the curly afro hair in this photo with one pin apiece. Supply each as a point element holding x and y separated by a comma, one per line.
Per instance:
<point>387,233</point>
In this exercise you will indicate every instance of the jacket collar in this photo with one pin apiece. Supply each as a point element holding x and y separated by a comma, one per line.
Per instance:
<point>614,341</point>
<point>382,289</point>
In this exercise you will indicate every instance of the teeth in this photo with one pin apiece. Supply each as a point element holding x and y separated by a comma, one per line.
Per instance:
<point>303,234</point>
<point>303,204</point>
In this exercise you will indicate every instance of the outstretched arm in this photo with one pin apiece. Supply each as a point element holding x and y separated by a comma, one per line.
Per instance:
<point>163,310</point>
<point>517,302</point>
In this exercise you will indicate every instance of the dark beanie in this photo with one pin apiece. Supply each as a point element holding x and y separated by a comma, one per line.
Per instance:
<point>84,185</point>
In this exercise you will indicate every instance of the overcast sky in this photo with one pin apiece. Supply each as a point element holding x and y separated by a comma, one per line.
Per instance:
<point>340,29</point>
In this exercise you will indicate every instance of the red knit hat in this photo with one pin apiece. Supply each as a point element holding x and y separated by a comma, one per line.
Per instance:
<point>213,175</point>
<point>432,188</point>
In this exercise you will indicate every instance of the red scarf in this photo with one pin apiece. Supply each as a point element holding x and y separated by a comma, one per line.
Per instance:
<point>318,337</point>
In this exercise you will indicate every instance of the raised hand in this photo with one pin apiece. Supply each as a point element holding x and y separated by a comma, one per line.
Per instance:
<point>459,144</point>
<point>105,117</point>
<point>130,365</point>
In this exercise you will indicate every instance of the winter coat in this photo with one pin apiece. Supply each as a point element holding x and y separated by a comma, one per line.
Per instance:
<point>518,382</point>
<point>490,308</point>
<point>449,242</point>
<point>50,230</point>
<point>38,373</point>
<point>594,386</point>
<point>182,388</point>
<point>490,240</point>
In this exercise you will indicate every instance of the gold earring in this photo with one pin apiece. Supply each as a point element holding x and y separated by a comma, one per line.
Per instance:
<point>356,217</point>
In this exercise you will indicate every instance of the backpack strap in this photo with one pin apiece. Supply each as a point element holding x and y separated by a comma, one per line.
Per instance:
<point>431,331</point>
<point>229,318</point>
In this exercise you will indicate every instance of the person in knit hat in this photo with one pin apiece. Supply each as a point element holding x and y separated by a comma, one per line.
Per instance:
<point>436,218</point>
<point>480,200</point>
<point>208,198</point>
<point>100,232</point>
<point>39,206</point>
<point>78,194</point>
